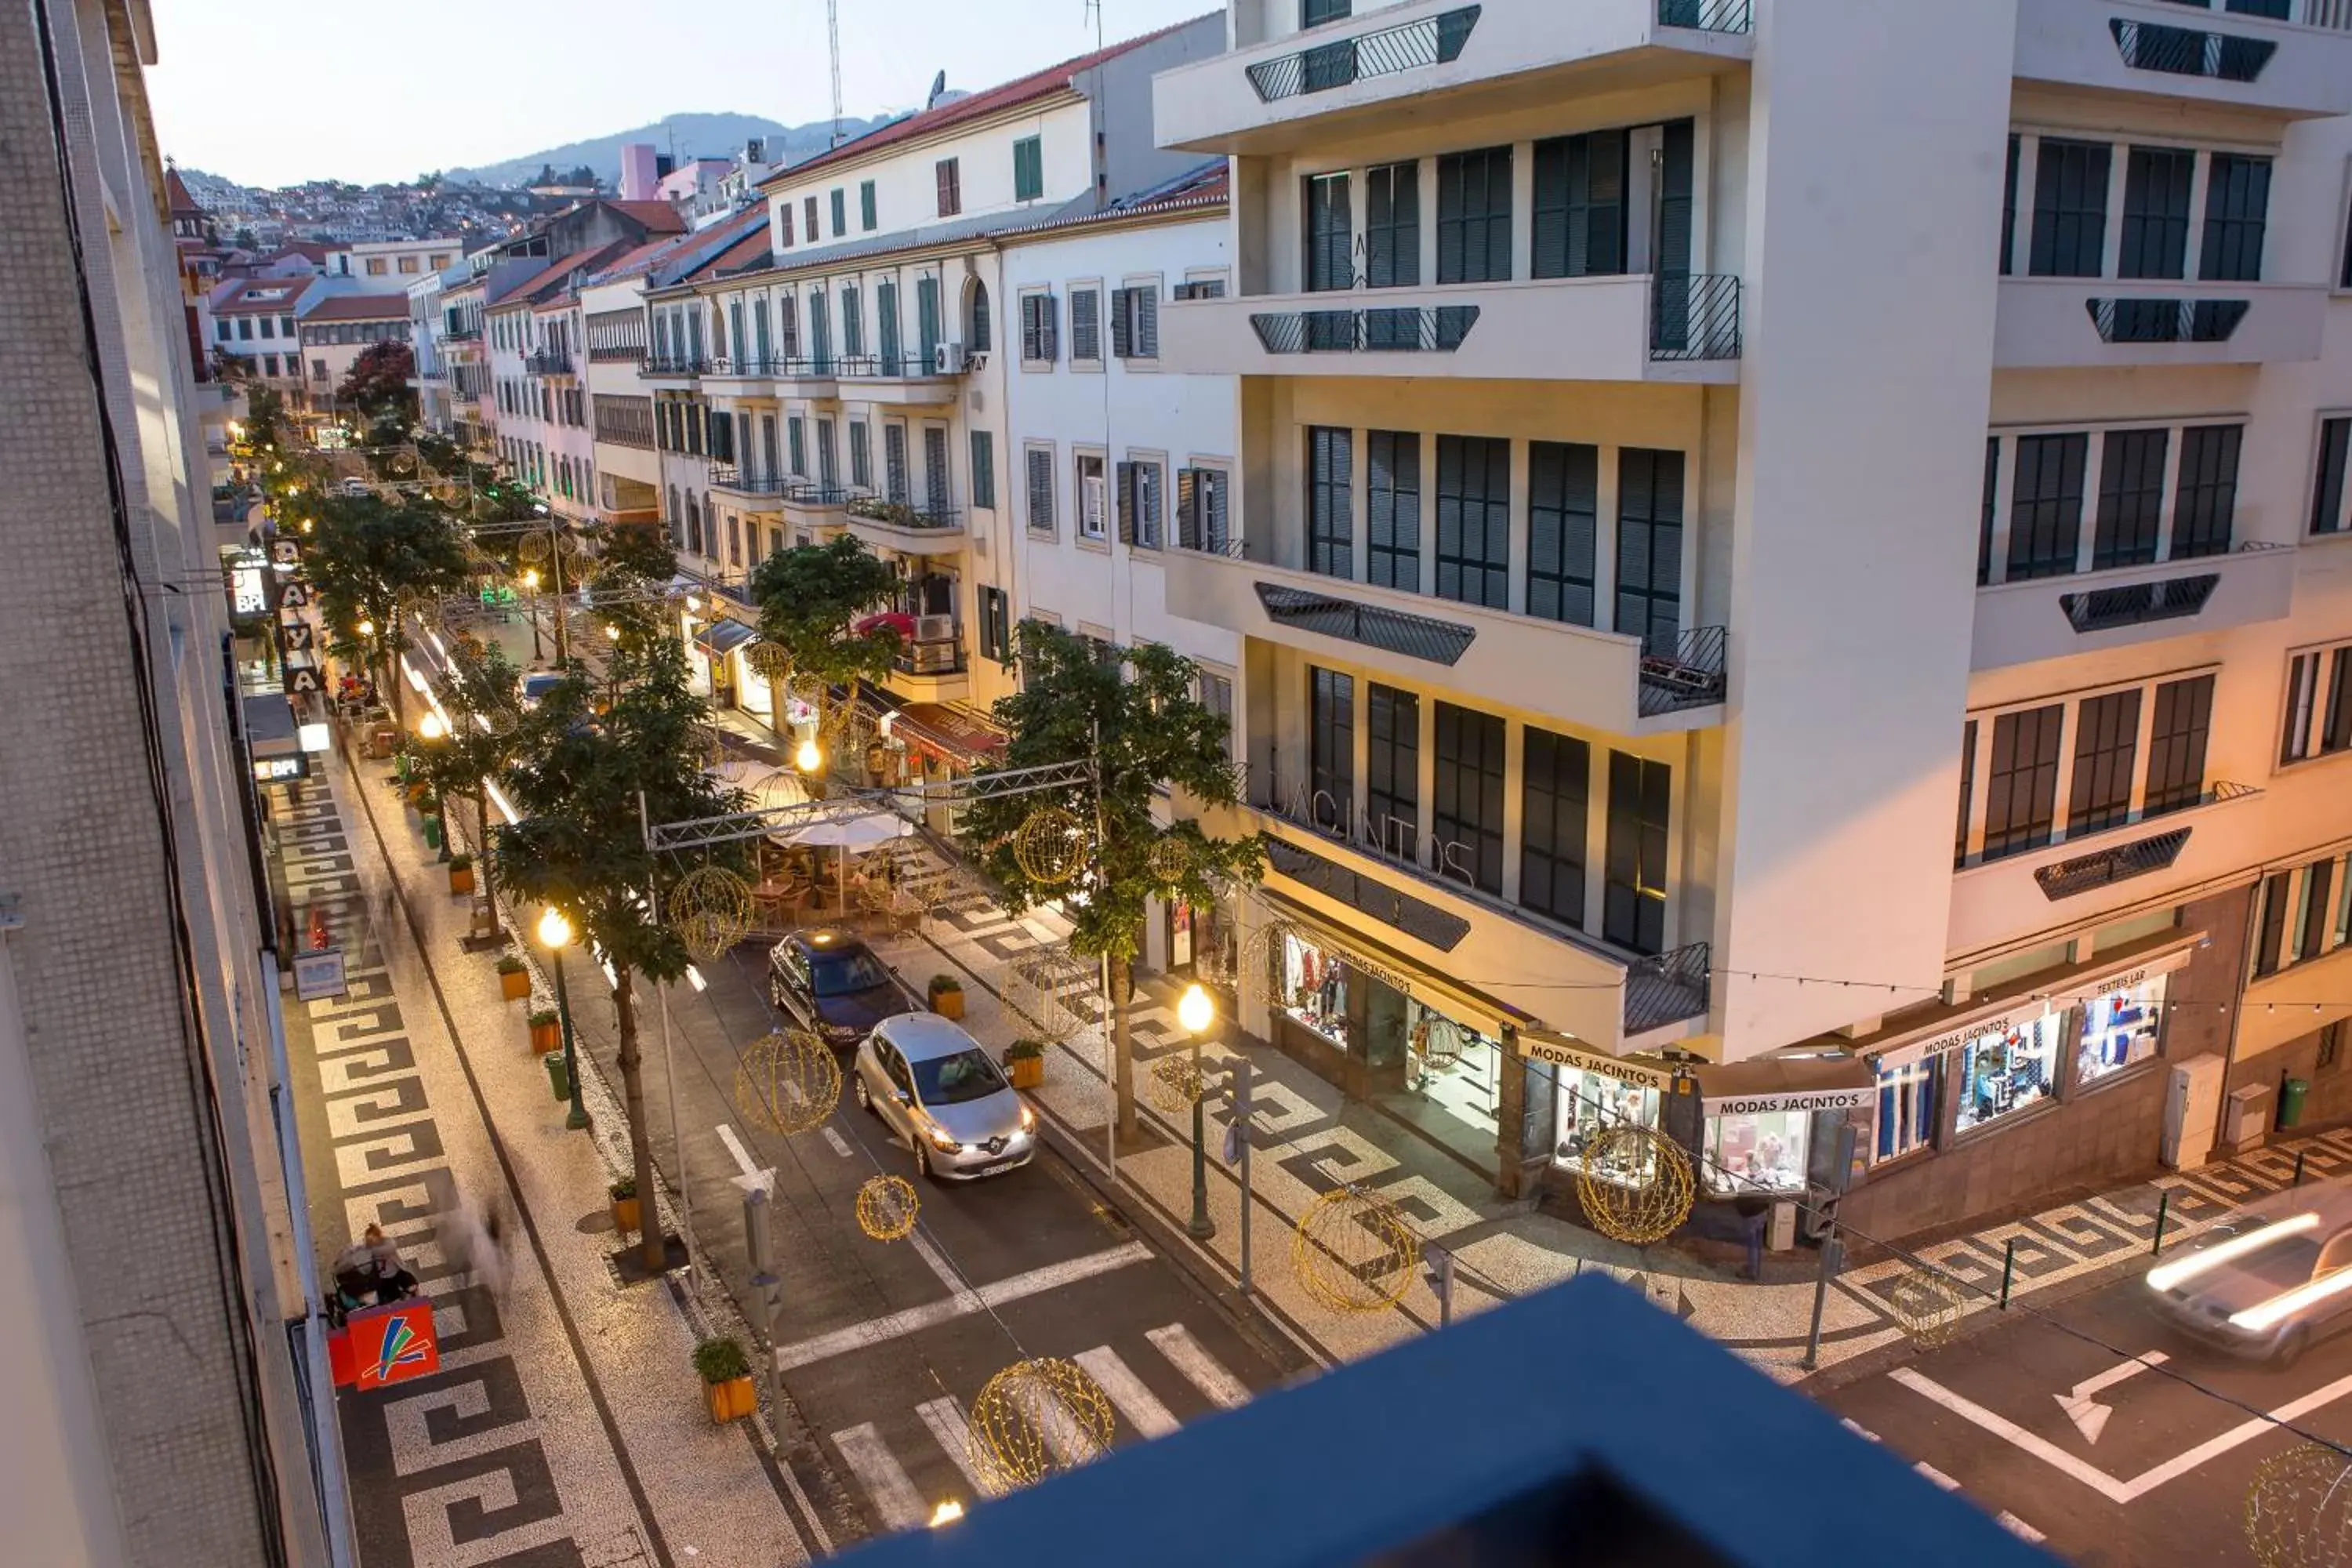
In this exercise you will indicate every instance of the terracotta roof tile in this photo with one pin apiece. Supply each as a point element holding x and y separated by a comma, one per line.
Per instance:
<point>359,307</point>
<point>659,218</point>
<point>261,296</point>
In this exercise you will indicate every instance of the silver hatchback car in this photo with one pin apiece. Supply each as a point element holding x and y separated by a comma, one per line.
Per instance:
<point>2266,1281</point>
<point>934,1086</point>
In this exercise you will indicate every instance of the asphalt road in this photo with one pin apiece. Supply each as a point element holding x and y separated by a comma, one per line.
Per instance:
<point>2147,1465</point>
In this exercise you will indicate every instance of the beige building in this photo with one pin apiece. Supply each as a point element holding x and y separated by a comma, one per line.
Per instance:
<point>337,330</point>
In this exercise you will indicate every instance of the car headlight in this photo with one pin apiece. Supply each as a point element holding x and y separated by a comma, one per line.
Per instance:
<point>1028,1119</point>
<point>937,1137</point>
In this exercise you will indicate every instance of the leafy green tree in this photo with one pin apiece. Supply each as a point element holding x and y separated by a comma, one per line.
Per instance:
<point>809,598</point>
<point>372,561</point>
<point>1134,713</point>
<point>577,783</point>
<point>483,695</point>
<point>378,384</point>
<point>633,565</point>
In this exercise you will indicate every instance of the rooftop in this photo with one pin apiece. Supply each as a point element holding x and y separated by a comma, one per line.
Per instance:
<point>359,307</point>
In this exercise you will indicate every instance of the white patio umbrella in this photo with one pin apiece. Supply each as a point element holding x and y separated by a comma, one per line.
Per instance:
<point>861,832</point>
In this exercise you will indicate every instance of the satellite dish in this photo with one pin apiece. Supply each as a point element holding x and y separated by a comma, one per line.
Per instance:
<point>939,89</point>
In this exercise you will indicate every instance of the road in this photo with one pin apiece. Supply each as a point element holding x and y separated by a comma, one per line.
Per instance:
<point>2117,1461</point>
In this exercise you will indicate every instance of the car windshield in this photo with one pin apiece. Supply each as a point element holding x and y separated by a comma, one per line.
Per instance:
<point>2283,1264</point>
<point>952,1080</point>
<point>840,973</point>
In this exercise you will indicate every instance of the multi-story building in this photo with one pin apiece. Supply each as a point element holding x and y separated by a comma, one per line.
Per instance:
<point>337,330</point>
<point>164,1370</point>
<point>257,321</point>
<point>534,339</point>
<point>1759,613</point>
<point>391,266</point>
<point>465,358</point>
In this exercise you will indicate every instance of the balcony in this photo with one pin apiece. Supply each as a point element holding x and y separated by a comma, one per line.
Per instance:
<point>2296,68</point>
<point>549,362</point>
<point>1632,327</point>
<point>680,368</point>
<point>1335,80</point>
<point>815,505</point>
<point>2088,611</point>
<point>758,491</point>
<point>615,353</point>
<point>2045,322</point>
<point>1604,680</point>
<point>931,670</point>
<point>472,335</point>
<point>1606,997</point>
<point>907,381</point>
<point>907,529</point>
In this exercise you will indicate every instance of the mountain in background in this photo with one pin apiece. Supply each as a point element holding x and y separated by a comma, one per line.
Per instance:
<point>690,135</point>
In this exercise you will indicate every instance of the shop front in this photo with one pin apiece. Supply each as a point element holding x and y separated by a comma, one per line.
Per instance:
<point>1593,1093</point>
<point>904,745</point>
<point>711,652</point>
<point>1770,1124</point>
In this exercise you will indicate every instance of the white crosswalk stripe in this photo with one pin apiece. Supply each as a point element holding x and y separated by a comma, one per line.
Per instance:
<point>1137,1404</point>
<point>945,1417</point>
<point>1201,1369</point>
<point>871,1461</point>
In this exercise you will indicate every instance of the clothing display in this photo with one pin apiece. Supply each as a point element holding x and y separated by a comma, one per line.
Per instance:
<point>2005,1072</point>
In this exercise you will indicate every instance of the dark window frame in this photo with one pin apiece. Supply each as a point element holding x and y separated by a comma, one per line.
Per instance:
<point>2046,504</point>
<point>1466,799</point>
<point>1392,509</point>
<point>2106,755</point>
<point>1563,532</point>
<point>1638,847</point>
<point>1474,569</point>
<point>2176,742</point>
<point>2205,491</point>
<point>2021,780</point>
<point>1393,769</point>
<point>1330,500</point>
<point>2130,523</point>
<point>1330,747</point>
<point>1474,216</point>
<point>2069,207</point>
<point>1556,792</point>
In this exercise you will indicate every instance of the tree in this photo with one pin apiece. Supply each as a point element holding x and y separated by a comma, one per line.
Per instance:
<point>1132,712</point>
<point>810,596</point>
<point>580,846</point>
<point>484,696</point>
<point>378,383</point>
<point>634,566</point>
<point>371,560</point>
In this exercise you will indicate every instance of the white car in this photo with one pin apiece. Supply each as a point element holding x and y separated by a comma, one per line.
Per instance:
<point>934,1086</point>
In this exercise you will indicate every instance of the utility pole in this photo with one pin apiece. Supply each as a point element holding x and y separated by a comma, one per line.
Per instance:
<point>832,41</point>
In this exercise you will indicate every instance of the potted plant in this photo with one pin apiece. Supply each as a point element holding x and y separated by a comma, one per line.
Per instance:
<point>726,1374</point>
<point>461,873</point>
<point>514,980</point>
<point>946,996</point>
<point>546,1031</point>
<point>1024,1063</point>
<point>627,1211</point>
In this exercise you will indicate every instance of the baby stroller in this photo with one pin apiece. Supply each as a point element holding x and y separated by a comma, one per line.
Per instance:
<point>357,1284</point>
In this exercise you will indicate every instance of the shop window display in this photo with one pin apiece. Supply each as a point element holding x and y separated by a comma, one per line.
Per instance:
<point>2008,1071</point>
<point>1314,990</point>
<point>1758,1151</point>
<point>1590,1104</point>
<point>1908,1099</point>
<point>2119,1028</point>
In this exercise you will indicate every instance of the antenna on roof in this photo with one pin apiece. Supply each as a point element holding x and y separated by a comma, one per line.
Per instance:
<point>938,90</point>
<point>832,40</point>
<point>1094,9</point>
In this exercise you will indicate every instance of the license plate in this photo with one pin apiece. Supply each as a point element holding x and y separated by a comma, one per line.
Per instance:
<point>1000,1165</point>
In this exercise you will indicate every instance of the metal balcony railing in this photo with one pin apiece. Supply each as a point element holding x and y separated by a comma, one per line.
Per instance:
<point>2189,51</point>
<point>1372,626</point>
<point>1433,40</point>
<point>743,481</point>
<point>1695,316</point>
<point>803,492</point>
<point>1667,989</point>
<point>602,354</point>
<point>1201,538</point>
<point>1691,676</point>
<point>899,514</point>
<point>659,364</point>
<point>547,362</point>
<point>1427,328</point>
<point>743,364</point>
<point>461,334</point>
<point>1706,16</point>
<point>2167,321</point>
<point>2105,867</point>
<point>2135,603</point>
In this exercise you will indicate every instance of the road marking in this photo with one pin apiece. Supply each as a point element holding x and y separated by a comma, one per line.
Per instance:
<point>2019,1528</point>
<point>2098,1480</point>
<point>735,1147</point>
<point>2090,1417</point>
<point>2005,1518</point>
<point>1934,1474</point>
<point>1137,1404</point>
<point>840,1145</point>
<point>898,1325</point>
<point>900,1504</point>
<point>945,1417</point>
<point>1201,1369</point>
<point>956,1288</point>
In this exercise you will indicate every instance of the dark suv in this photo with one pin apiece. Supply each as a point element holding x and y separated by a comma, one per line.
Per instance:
<point>831,983</point>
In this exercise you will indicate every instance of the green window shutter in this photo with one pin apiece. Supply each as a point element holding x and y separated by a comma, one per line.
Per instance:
<point>866,217</point>
<point>984,469</point>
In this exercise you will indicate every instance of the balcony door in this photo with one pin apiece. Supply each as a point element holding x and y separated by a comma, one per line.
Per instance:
<point>1650,547</point>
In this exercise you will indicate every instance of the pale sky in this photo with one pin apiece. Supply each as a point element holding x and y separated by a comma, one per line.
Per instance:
<point>388,91</point>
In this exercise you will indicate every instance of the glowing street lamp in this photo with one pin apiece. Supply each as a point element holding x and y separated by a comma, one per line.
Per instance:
<point>1198,1012</point>
<point>809,758</point>
<point>555,935</point>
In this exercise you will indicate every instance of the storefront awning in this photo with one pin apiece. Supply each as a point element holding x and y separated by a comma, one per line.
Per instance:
<point>1999,1014</point>
<point>1784,1083</point>
<point>958,736</point>
<point>1456,1001</point>
<point>723,637</point>
<point>1563,1050</point>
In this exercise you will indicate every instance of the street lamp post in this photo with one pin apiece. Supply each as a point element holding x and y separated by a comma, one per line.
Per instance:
<point>555,931</point>
<point>530,586</point>
<point>432,731</point>
<point>1198,1014</point>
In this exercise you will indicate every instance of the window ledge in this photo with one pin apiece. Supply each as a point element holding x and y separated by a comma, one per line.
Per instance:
<point>2128,1073</point>
<point>2301,765</point>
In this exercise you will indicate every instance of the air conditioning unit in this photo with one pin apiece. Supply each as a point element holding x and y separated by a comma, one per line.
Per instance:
<point>947,359</point>
<point>935,629</point>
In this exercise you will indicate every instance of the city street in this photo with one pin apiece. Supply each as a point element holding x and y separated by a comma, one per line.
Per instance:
<point>2117,1461</point>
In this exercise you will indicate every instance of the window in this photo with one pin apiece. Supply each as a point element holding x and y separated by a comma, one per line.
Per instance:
<point>1330,255</point>
<point>1392,771</point>
<point>886,324</point>
<point>978,327</point>
<point>1330,477</point>
<point>895,472</point>
<point>949,176</point>
<point>2317,922</point>
<point>1215,693</point>
<point>783,225</point>
<point>221,329</point>
<point>408,264</point>
<point>2022,784</point>
<point>1392,226</point>
<point>1650,547</point>
<point>2106,745</point>
<point>867,220</point>
<point>2269,924</point>
<point>788,326</point>
<point>1314,13</point>
<point>1968,791</point>
<point>2070,208</point>
<point>2237,205</point>
<point>1580,205</point>
<point>1330,747</point>
<point>1086,326</point>
<point>2156,213</point>
<point>2008,209</point>
<point>983,470</point>
<point>1201,509</point>
<point>796,442</point>
<point>2131,498</point>
<point>1633,881</point>
<point>861,454</point>
<point>1985,519</point>
<point>1092,499</point>
<point>375,267</point>
<point>1467,820</point>
<point>1135,322</point>
<point>1392,502</point>
<point>2304,674</point>
<point>1474,519</point>
<point>1028,169</point>
<point>808,211</point>
<point>1908,1099</point>
<point>2176,745</point>
<point>1474,216</point>
<point>2045,514</point>
<point>1563,522</point>
<point>269,327</point>
<point>840,213</point>
<point>2205,502</point>
<point>2327,511</point>
<point>1555,781</point>
<point>995,621</point>
<point>1040,490</point>
<point>318,370</point>
<point>1040,323</point>
<point>244,328</point>
<point>852,323</point>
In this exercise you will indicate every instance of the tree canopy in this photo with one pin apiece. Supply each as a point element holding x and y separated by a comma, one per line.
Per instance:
<point>811,596</point>
<point>378,383</point>
<point>371,559</point>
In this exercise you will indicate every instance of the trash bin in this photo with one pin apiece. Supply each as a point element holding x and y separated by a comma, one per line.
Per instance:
<point>559,1076</point>
<point>433,833</point>
<point>2293,1091</point>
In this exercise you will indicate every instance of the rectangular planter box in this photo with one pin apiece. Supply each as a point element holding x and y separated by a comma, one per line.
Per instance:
<point>514,984</point>
<point>461,879</point>
<point>546,1038</point>
<point>1026,1072</point>
<point>948,1003</point>
<point>626,1213</point>
<point>732,1400</point>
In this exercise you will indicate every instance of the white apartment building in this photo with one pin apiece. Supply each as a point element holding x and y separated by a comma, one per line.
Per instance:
<point>535,334</point>
<point>337,330</point>
<point>1760,615</point>
<point>257,321</point>
<point>391,266</point>
<point>427,326</point>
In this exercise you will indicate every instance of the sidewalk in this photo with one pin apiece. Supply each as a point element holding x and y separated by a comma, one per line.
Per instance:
<point>565,1425</point>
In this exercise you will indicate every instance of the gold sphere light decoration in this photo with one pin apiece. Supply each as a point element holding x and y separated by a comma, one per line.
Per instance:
<point>1261,951</point>
<point>887,1207</point>
<point>1636,1185</point>
<point>1050,846</point>
<point>1037,1417</point>
<point>1928,1304</point>
<point>1176,1083</point>
<point>710,910</point>
<point>1169,860</point>
<point>1353,1251</point>
<point>787,1082</point>
<point>769,661</point>
<point>2299,1508</point>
